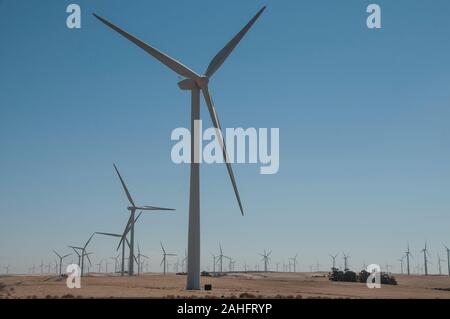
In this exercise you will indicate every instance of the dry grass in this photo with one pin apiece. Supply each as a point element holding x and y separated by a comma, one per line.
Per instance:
<point>236,285</point>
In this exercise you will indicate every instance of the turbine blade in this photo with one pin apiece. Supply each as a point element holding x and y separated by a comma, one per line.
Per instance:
<point>160,56</point>
<point>162,261</point>
<point>163,248</point>
<point>155,208</point>
<point>216,124</point>
<point>87,256</point>
<point>124,186</point>
<point>65,256</point>
<point>109,234</point>
<point>57,254</point>
<point>88,241</point>
<point>223,54</point>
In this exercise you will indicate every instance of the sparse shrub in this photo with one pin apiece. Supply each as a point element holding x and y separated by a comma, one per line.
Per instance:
<point>246,295</point>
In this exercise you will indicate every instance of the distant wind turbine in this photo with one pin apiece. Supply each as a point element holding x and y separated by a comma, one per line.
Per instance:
<point>83,253</point>
<point>164,259</point>
<point>266,258</point>
<point>60,260</point>
<point>334,260</point>
<point>448,259</point>
<point>426,261</point>
<point>132,220</point>
<point>408,255</point>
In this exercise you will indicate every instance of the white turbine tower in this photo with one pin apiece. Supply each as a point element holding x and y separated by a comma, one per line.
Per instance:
<point>426,254</point>
<point>439,259</point>
<point>132,220</point>
<point>401,263</point>
<point>448,259</point>
<point>408,255</point>
<point>194,82</point>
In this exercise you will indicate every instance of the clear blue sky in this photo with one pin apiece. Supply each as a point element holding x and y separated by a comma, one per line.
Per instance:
<point>363,116</point>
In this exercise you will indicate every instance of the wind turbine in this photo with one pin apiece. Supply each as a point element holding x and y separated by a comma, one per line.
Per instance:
<point>42,266</point>
<point>132,220</point>
<point>60,260</point>
<point>334,261</point>
<point>194,82</point>
<point>7,269</point>
<point>346,258</point>
<point>294,262</point>
<point>100,265</point>
<point>439,264</point>
<point>318,266</point>
<point>265,258</point>
<point>83,253</point>
<point>221,257</point>
<point>214,262</point>
<point>401,263</point>
<point>387,268</point>
<point>164,260</point>
<point>408,254</point>
<point>139,260</point>
<point>448,259</point>
<point>426,261</point>
<point>116,262</point>
<point>122,242</point>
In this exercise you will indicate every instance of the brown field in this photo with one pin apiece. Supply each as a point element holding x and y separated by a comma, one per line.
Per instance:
<point>236,285</point>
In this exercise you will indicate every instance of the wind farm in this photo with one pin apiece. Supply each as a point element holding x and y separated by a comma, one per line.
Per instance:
<point>346,206</point>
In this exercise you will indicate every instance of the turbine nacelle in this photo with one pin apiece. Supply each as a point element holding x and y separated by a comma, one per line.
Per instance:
<point>191,84</point>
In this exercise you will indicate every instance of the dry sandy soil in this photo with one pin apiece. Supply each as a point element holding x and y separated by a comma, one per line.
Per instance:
<point>236,285</point>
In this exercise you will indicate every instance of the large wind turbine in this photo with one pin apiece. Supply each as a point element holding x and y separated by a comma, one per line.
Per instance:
<point>195,82</point>
<point>83,253</point>
<point>132,220</point>
<point>164,259</point>
<point>60,260</point>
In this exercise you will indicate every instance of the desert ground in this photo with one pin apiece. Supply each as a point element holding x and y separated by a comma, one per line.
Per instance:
<point>231,285</point>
